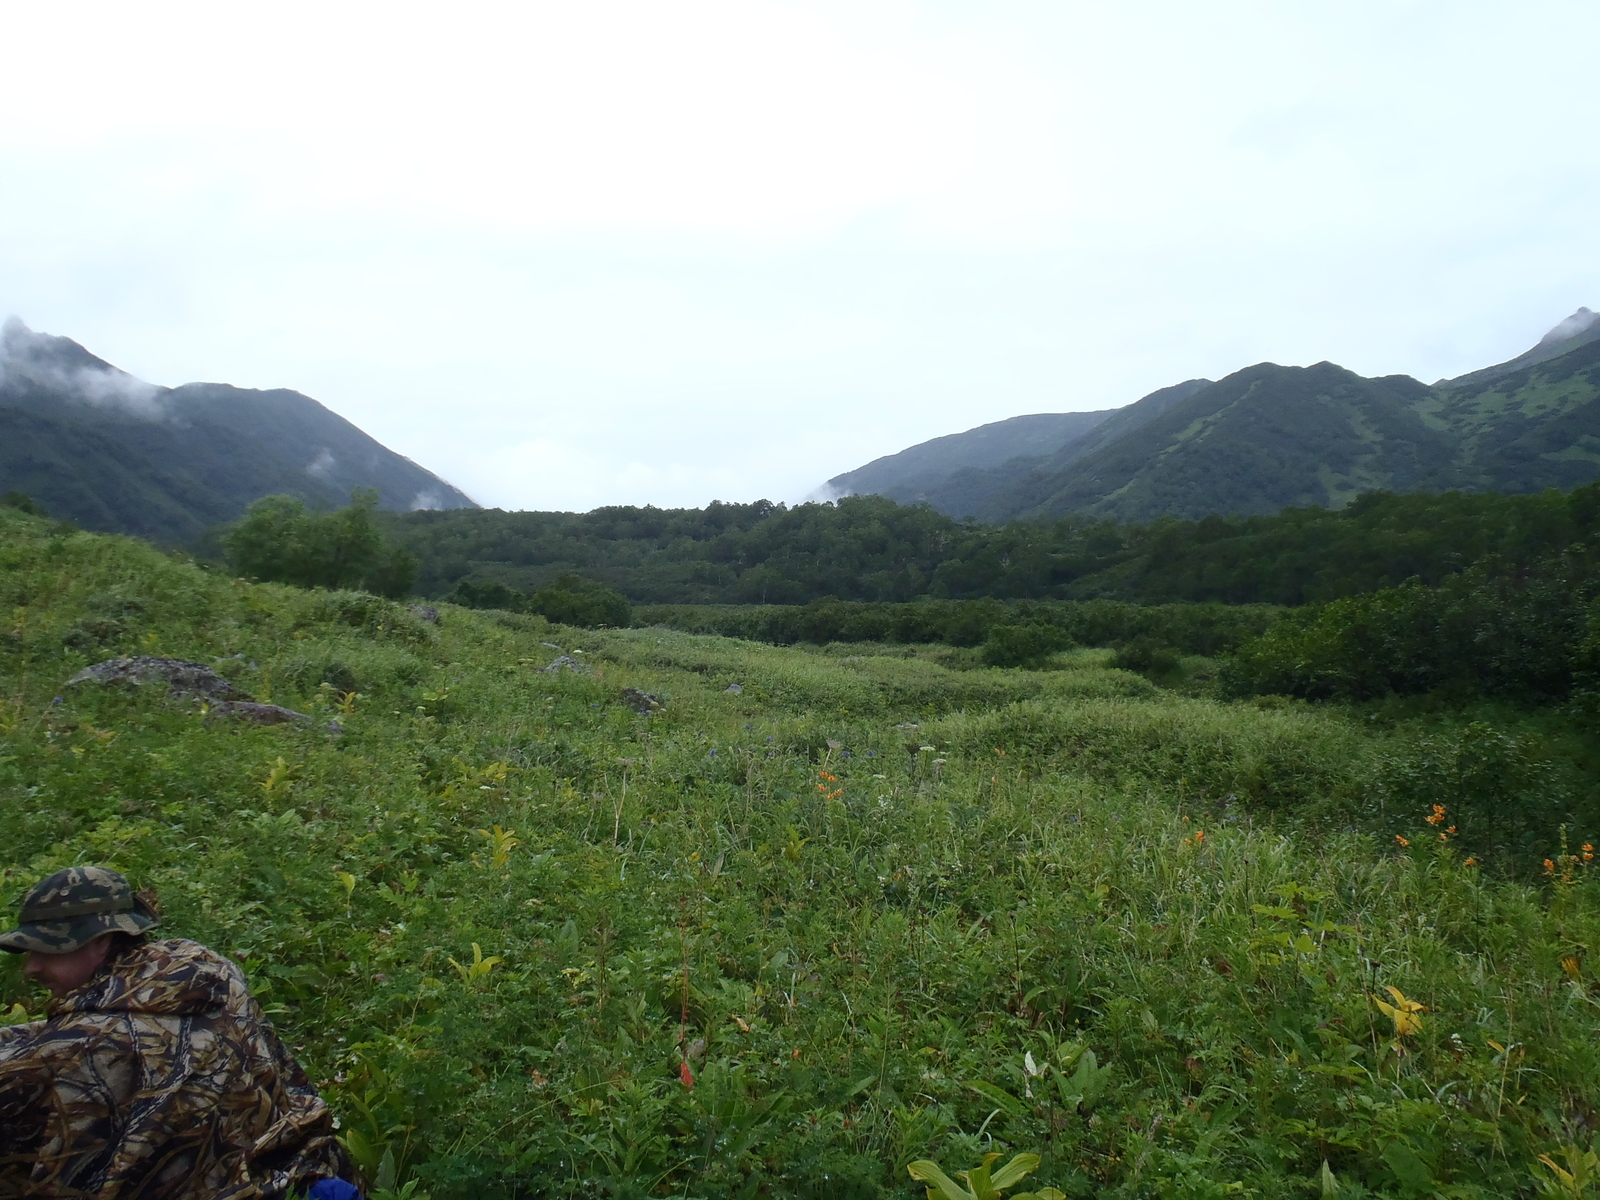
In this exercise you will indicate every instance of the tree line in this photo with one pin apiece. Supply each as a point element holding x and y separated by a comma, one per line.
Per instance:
<point>871,549</point>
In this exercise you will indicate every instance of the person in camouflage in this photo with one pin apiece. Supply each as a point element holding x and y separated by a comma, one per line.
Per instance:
<point>154,1074</point>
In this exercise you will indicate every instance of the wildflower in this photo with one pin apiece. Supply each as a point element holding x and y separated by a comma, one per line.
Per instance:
<point>1471,862</point>
<point>1549,867</point>
<point>1199,836</point>
<point>1438,815</point>
<point>1588,852</point>
<point>1402,1012</point>
<point>686,1076</point>
<point>1402,839</point>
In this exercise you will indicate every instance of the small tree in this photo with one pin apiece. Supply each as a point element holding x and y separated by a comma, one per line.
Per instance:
<point>280,541</point>
<point>573,600</point>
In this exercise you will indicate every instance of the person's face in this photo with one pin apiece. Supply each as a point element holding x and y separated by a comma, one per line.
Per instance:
<point>62,973</point>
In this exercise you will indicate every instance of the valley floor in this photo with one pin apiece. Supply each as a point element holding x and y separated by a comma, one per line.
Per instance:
<point>811,915</point>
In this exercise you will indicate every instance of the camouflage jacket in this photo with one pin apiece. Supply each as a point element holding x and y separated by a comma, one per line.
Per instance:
<point>159,1079</point>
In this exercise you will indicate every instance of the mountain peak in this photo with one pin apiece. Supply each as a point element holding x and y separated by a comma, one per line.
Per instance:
<point>1579,322</point>
<point>60,365</point>
<point>1577,330</point>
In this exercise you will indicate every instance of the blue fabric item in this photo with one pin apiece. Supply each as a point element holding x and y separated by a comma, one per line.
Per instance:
<point>334,1189</point>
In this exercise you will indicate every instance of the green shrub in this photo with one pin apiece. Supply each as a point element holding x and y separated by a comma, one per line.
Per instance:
<point>1023,645</point>
<point>573,600</point>
<point>280,541</point>
<point>1147,656</point>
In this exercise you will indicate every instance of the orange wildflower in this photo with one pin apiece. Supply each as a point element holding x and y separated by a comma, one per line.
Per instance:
<point>1402,839</point>
<point>1438,815</point>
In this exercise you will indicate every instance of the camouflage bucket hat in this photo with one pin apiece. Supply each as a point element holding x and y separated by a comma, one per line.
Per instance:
<point>73,907</point>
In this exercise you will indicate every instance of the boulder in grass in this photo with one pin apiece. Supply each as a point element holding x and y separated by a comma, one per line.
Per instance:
<point>182,678</point>
<point>565,662</point>
<point>425,612</point>
<point>265,714</point>
<point>642,702</point>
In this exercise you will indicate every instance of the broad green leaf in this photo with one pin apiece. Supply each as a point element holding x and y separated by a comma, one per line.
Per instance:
<point>1330,1183</point>
<point>1014,1171</point>
<point>1407,1167</point>
<point>1001,1098</point>
<point>942,1185</point>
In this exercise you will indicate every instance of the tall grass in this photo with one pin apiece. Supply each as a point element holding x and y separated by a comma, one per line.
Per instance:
<point>785,940</point>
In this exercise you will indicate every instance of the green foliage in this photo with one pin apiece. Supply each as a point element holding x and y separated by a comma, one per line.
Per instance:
<point>280,541</point>
<point>1146,655</point>
<point>569,599</point>
<point>868,549</point>
<point>867,911</point>
<point>1488,631</point>
<point>573,600</point>
<point>21,503</point>
<point>982,1181</point>
<point>1206,629</point>
<point>1026,645</point>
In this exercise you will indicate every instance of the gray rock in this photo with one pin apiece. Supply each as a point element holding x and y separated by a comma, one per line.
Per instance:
<point>182,678</point>
<point>733,689</point>
<point>642,702</point>
<point>425,612</point>
<point>257,714</point>
<point>565,662</point>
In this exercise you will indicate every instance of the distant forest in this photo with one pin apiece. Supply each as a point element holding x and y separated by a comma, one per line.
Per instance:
<point>870,548</point>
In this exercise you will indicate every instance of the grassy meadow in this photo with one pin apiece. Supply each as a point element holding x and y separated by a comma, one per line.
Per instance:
<point>825,911</point>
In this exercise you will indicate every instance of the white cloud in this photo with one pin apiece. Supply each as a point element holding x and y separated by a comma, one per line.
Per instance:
<point>323,465</point>
<point>42,360</point>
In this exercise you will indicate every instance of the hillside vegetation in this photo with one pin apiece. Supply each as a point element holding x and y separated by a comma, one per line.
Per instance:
<point>868,548</point>
<point>1269,437</point>
<point>705,917</point>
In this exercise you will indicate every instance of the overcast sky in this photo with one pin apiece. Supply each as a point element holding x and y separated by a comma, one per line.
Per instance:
<point>572,254</point>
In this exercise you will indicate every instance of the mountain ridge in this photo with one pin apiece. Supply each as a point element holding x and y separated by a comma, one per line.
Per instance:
<point>89,441</point>
<point>1271,436</point>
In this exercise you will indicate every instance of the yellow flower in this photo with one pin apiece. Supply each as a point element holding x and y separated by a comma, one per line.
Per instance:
<point>1402,1012</point>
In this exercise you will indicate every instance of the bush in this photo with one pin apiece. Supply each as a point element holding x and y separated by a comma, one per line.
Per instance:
<point>1023,645</point>
<point>1147,656</point>
<point>279,541</point>
<point>574,600</point>
<point>1482,632</point>
<point>22,503</point>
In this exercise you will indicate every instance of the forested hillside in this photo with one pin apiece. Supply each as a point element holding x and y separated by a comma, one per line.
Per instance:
<point>872,549</point>
<point>92,443</point>
<point>1270,437</point>
<point>567,913</point>
<point>935,466</point>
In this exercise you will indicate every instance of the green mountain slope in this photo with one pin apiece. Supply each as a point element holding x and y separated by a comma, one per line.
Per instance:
<point>113,453</point>
<point>1271,436</point>
<point>962,475</point>
<point>1262,439</point>
<point>912,474</point>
